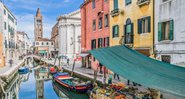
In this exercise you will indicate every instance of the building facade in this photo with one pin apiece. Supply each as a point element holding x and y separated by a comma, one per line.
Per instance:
<point>69,33</point>
<point>170,31</point>
<point>8,29</point>
<point>95,27</point>
<point>23,43</point>
<point>132,24</point>
<point>38,27</point>
<point>44,47</point>
<point>55,38</point>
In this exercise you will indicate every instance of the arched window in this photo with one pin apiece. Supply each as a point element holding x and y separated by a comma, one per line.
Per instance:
<point>128,31</point>
<point>128,26</point>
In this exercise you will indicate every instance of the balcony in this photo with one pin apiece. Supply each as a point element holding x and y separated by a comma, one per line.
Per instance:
<point>142,2</point>
<point>115,12</point>
<point>129,40</point>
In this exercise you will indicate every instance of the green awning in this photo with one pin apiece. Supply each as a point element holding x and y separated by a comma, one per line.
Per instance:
<point>42,52</point>
<point>141,69</point>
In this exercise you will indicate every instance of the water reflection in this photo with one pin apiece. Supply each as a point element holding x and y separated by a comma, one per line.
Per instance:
<point>12,89</point>
<point>36,84</point>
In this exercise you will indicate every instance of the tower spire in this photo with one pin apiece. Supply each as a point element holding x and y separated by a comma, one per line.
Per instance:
<point>38,14</point>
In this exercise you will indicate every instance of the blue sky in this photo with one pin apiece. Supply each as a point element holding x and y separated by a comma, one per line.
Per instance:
<point>25,10</point>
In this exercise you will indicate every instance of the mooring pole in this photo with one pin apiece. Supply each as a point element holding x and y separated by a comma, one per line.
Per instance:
<point>73,68</point>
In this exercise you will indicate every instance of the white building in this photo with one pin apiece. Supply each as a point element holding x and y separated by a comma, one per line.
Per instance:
<point>23,43</point>
<point>69,28</point>
<point>8,26</point>
<point>170,30</point>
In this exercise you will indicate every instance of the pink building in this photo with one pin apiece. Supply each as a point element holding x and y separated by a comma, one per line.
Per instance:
<point>94,27</point>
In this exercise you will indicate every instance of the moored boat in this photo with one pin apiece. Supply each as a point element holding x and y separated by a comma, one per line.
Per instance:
<point>23,70</point>
<point>73,84</point>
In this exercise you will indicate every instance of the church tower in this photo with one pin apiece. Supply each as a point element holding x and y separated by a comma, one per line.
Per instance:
<point>38,28</point>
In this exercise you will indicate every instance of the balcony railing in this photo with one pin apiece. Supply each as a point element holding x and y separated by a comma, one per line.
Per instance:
<point>129,38</point>
<point>142,2</point>
<point>115,12</point>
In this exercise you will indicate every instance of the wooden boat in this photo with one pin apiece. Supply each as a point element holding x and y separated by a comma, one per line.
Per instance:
<point>23,70</point>
<point>63,93</point>
<point>73,84</point>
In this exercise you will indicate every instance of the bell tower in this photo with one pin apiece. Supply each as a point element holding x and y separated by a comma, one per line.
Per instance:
<point>38,27</point>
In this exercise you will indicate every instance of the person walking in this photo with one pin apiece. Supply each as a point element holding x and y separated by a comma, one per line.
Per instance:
<point>67,61</point>
<point>116,75</point>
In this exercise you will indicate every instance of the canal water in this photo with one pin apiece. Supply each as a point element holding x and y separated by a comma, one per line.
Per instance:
<point>38,84</point>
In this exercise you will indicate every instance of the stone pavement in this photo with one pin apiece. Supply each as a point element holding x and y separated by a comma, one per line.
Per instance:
<point>8,69</point>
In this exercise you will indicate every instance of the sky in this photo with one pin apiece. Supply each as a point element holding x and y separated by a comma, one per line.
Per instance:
<point>25,10</point>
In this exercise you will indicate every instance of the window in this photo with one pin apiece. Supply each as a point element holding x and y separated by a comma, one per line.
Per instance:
<point>128,32</point>
<point>94,25</point>
<point>100,23</point>
<point>164,0</point>
<point>52,43</point>
<point>5,25</point>
<point>100,42</point>
<point>166,58</point>
<point>165,30</point>
<point>115,4</point>
<point>93,4</point>
<point>144,25</point>
<point>11,18</point>
<point>106,20</point>
<point>4,12</point>
<point>42,43</point>
<point>115,31</point>
<point>127,2</point>
<point>107,41</point>
<point>47,43</point>
<point>37,43</point>
<point>93,44</point>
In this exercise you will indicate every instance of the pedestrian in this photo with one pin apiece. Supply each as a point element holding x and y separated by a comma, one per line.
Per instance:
<point>116,75</point>
<point>67,61</point>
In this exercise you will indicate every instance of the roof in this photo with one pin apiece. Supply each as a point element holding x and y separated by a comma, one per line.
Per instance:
<point>22,33</point>
<point>44,39</point>
<point>141,69</point>
<point>85,2</point>
<point>71,15</point>
<point>38,14</point>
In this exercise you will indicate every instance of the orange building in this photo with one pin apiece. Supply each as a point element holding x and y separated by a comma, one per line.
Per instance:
<point>2,58</point>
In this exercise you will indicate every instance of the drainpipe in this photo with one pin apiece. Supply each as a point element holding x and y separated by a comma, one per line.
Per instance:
<point>154,29</point>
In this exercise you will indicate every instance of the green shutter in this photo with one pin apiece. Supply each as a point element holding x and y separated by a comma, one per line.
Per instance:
<point>159,31</point>
<point>132,28</point>
<point>115,4</point>
<point>139,26</point>
<point>149,24</point>
<point>171,30</point>
<point>117,30</point>
<point>113,31</point>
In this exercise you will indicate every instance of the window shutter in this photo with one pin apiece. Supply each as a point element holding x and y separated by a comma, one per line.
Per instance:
<point>132,28</point>
<point>159,31</point>
<point>171,30</point>
<point>117,30</point>
<point>113,31</point>
<point>139,26</point>
<point>115,4</point>
<point>149,24</point>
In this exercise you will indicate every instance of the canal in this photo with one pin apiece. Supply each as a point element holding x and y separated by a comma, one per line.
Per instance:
<point>38,84</point>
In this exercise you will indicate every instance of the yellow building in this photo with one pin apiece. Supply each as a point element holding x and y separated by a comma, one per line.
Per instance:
<point>132,24</point>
